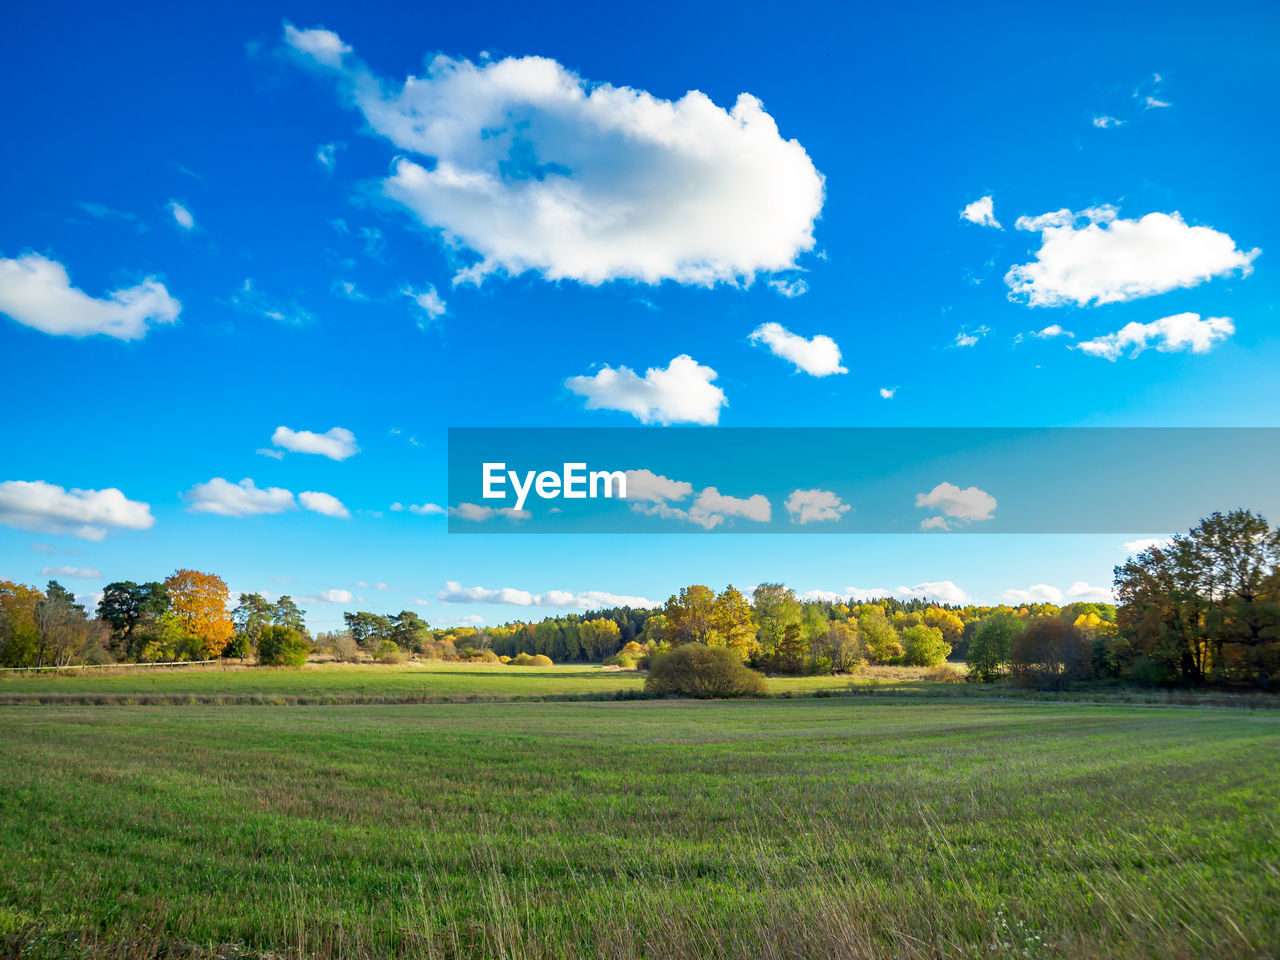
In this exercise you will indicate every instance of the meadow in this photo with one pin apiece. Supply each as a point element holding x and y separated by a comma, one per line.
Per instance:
<point>817,827</point>
<point>408,682</point>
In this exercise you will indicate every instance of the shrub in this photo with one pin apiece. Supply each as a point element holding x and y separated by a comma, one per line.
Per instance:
<point>282,647</point>
<point>504,659</point>
<point>521,659</point>
<point>481,656</point>
<point>924,646</point>
<point>540,660</point>
<point>238,646</point>
<point>388,651</point>
<point>1051,654</point>
<point>437,650</point>
<point>945,673</point>
<point>621,660</point>
<point>694,670</point>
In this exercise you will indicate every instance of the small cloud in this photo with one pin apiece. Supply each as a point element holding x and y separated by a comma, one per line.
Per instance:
<point>965,338</point>
<point>37,292</point>
<point>422,509</point>
<point>223,498</point>
<point>181,215</point>
<point>477,514</point>
<point>818,356</point>
<point>323,503</point>
<point>268,452</point>
<point>71,573</point>
<point>655,488</point>
<point>330,596</point>
<point>1084,593</point>
<point>1051,331</point>
<point>337,443</point>
<point>1038,593</point>
<point>1106,122</point>
<point>681,392</point>
<point>939,591</point>
<point>1153,104</point>
<point>789,288</point>
<point>327,155</point>
<point>39,507</point>
<point>888,393</point>
<point>1181,333</point>
<point>1146,543</point>
<point>815,506</point>
<point>958,507</point>
<point>428,302</point>
<point>981,212</point>
<point>251,300</point>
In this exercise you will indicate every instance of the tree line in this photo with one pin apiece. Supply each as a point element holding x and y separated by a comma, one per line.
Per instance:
<point>1200,609</point>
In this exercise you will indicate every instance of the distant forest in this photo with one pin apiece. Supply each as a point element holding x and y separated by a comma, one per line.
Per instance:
<point>1200,609</point>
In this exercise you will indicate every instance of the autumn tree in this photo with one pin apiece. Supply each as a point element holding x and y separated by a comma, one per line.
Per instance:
<point>924,646</point>
<point>879,636</point>
<point>65,634</point>
<point>732,624</point>
<point>689,614</point>
<point>775,607</point>
<point>199,602</point>
<point>19,635</point>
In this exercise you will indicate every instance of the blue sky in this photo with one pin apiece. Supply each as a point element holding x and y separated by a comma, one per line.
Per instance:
<point>240,188</point>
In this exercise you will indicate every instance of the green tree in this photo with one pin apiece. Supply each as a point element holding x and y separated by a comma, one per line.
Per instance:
<point>286,614</point>
<point>775,607</point>
<point>253,614</point>
<point>732,625</point>
<point>281,646</point>
<point>924,646</point>
<point>879,636</point>
<point>992,645</point>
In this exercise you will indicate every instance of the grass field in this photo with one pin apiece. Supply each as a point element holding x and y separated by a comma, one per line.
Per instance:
<point>781,828</point>
<point>412,681</point>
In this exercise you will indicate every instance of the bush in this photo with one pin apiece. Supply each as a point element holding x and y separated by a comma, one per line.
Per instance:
<point>924,646</point>
<point>540,660</point>
<point>340,645</point>
<point>480,656</point>
<point>504,659</point>
<point>694,670</point>
<point>621,660</point>
<point>388,651</point>
<point>945,673</point>
<point>521,659</point>
<point>282,647</point>
<point>437,650</point>
<point>238,646</point>
<point>1051,654</point>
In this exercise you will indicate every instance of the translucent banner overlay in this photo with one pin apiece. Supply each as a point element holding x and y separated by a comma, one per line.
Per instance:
<point>856,480</point>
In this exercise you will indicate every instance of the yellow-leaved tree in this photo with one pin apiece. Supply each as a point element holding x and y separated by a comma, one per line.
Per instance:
<point>200,603</point>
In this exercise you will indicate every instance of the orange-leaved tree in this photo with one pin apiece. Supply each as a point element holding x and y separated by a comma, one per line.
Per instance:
<point>200,604</point>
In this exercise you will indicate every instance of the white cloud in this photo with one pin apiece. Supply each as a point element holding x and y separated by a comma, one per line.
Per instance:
<point>181,215</point>
<point>887,393</point>
<point>324,503</point>
<point>939,591</point>
<point>268,452</point>
<point>337,443</point>
<point>1105,122</point>
<point>1152,103</point>
<point>243,499</point>
<point>37,292</point>
<point>532,168</point>
<point>1146,543</point>
<point>71,573</point>
<point>815,506</point>
<point>981,212</point>
<point>323,46</point>
<point>789,288</point>
<point>470,620</point>
<point>428,301</point>
<point>327,155</point>
<point>958,506</point>
<point>477,513</point>
<point>250,299</point>
<point>1111,260</point>
<point>967,339</point>
<point>819,356</point>
<point>36,506</point>
<point>647,485</point>
<point>330,596</point>
<point>682,392</point>
<point>1082,592</point>
<point>711,508</point>
<point>422,509</point>
<point>1037,593</point>
<point>455,592</point>
<point>1051,331</point>
<point>1183,332</point>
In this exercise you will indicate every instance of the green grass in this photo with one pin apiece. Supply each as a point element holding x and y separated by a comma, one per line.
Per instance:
<point>838,827</point>
<point>410,682</point>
